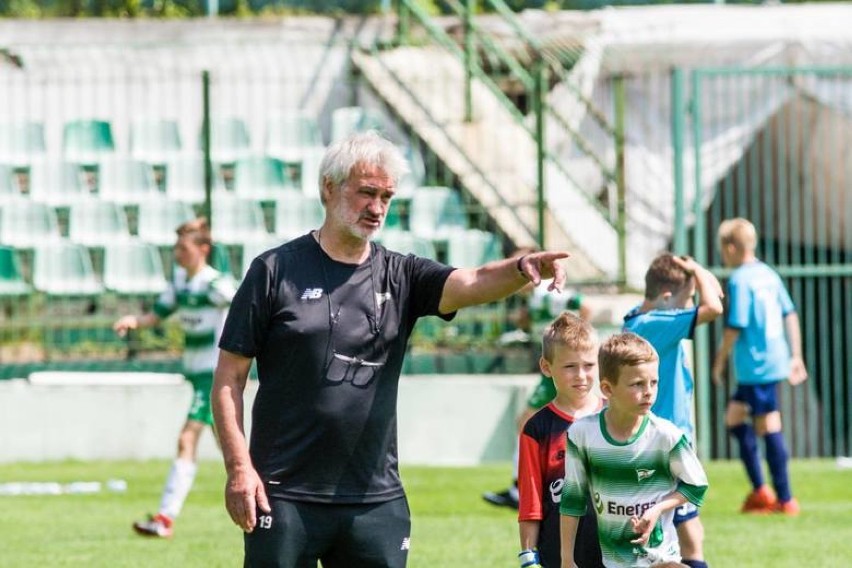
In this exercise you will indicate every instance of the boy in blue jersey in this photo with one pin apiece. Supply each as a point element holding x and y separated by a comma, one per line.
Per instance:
<point>665,318</point>
<point>762,329</point>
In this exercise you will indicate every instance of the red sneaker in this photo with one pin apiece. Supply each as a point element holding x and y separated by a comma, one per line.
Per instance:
<point>762,500</point>
<point>157,525</point>
<point>789,508</point>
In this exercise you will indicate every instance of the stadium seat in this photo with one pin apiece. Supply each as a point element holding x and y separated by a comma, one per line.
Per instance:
<point>159,219</point>
<point>262,178</point>
<point>25,224</point>
<point>236,220</point>
<point>63,268</point>
<point>185,179</point>
<point>86,142</point>
<point>229,139</point>
<point>59,184</point>
<point>96,223</point>
<point>290,134</point>
<point>12,282</point>
<point>436,211</point>
<point>154,140</point>
<point>296,214</point>
<point>126,181</point>
<point>309,171</point>
<point>416,177</point>
<point>348,120</point>
<point>469,248</point>
<point>9,190</point>
<point>406,243</point>
<point>133,268</point>
<point>21,142</point>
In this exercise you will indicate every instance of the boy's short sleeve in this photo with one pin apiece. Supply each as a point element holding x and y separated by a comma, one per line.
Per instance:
<point>575,490</point>
<point>739,304</point>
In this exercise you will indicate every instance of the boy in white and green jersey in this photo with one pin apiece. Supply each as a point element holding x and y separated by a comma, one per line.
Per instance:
<point>199,296</point>
<point>636,466</point>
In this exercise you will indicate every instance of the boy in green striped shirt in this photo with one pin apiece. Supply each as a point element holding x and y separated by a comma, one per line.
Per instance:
<point>199,296</point>
<point>636,467</point>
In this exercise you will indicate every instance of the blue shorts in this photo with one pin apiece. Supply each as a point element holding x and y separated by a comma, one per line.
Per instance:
<point>762,399</point>
<point>684,513</point>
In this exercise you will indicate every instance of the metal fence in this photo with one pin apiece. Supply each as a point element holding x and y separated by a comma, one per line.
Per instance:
<point>772,145</point>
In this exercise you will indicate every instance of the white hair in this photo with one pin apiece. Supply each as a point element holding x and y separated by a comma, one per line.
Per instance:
<point>368,148</point>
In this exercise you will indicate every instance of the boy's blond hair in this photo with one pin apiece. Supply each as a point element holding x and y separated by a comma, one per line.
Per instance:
<point>570,331</point>
<point>623,350</point>
<point>665,275</point>
<point>198,229</point>
<point>738,232</point>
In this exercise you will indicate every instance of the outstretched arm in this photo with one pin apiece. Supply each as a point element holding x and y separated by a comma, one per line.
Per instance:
<point>244,490</point>
<point>496,280</point>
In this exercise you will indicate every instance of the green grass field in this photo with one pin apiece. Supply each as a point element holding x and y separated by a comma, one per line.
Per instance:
<point>452,525</point>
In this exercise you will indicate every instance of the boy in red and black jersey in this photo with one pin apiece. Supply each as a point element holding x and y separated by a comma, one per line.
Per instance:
<point>569,356</point>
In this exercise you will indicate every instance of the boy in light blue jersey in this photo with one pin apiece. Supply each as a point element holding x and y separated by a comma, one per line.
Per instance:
<point>199,296</point>
<point>636,467</point>
<point>665,318</point>
<point>762,329</point>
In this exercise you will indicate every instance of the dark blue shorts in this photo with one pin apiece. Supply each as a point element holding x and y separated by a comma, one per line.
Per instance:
<point>684,513</point>
<point>762,399</point>
<point>297,534</point>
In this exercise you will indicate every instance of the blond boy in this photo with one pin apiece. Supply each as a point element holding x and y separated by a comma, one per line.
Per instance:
<point>636,467</point>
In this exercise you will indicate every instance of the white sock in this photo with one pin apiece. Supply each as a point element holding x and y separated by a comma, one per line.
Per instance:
<point>178,484</point>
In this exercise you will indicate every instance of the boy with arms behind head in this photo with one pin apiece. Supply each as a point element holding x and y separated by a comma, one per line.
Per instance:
<point>569,357</point>
<point>762,329</point>
<point>665,318</point>
<point>636,466</point>
<point>199,295</point>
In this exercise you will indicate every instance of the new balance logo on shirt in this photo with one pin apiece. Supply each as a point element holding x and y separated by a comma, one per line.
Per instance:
<point>643,474</point>
<point>406,543</point>
<point>311,294</point>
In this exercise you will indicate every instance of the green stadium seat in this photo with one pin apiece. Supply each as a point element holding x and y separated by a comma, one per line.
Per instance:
<point>290,134</point>
<point>154,140</point>
<point>296,214</point>
<point>133,268</point>
<point>348,120</point>
<point>309,171</point>
<point>86,142</point>
<point>21,143</point>
<point>9,190</point>
<point>416,177</point>
<point>12,282</point>
<point>25,224</point>
<point>63,268</point>
<point>261,177</point>
<point>96,223</point>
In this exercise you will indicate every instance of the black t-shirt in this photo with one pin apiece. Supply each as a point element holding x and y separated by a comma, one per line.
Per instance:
<point>329,340</point>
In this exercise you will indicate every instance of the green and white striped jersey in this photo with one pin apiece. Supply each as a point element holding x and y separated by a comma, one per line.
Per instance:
<point>625,479</point>
<point>201,304</point>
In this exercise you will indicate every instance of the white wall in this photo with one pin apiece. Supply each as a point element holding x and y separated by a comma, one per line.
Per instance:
<point>443,420</point>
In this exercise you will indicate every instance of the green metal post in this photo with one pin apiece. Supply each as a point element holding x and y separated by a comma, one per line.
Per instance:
<point>469,59</point>
<point>620,97</point>
<point>678,110</point>
<point>539,93</point>
<point>701,341</point>
<point>205,145</point>
<point>403,23</point>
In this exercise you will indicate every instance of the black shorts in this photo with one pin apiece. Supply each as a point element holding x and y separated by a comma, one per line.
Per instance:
<point>297,534</point>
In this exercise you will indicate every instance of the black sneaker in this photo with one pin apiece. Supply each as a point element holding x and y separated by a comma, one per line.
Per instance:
<point>502,499</point>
